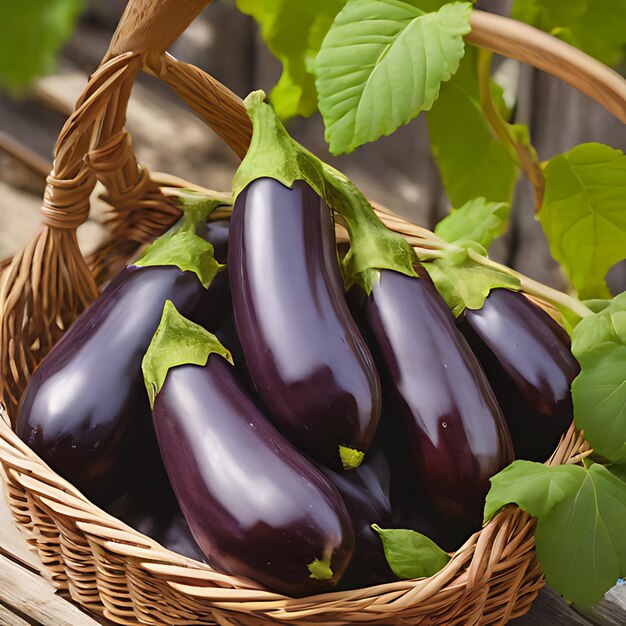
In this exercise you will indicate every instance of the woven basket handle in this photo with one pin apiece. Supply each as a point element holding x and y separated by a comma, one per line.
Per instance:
<point>48,284</point>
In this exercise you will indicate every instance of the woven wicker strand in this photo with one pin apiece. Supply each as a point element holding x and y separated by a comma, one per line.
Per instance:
<point>102,563</point>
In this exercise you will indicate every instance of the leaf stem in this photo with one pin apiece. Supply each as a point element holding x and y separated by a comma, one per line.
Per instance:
<point>522,151</point>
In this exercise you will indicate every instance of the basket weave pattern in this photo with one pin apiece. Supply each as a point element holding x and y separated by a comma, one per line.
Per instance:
<point>105,565</point>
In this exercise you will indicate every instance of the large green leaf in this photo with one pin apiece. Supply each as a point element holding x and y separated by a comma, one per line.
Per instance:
<point>599,391</point>
<point>584,214</point>
<point>580,513</point>
<point>472,160</point>
<point>477,220</point>
<point>596,26</point>
<point>411,554</point>
<point>381,63</point>
<point>293,31</point>
<point>31,34</point>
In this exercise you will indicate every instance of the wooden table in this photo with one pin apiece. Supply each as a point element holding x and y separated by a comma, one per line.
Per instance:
<point>26,598</point>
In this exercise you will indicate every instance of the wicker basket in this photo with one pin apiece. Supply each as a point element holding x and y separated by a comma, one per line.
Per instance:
<point>108,567</point>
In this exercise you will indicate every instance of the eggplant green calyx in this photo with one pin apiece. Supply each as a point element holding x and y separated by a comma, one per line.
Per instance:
<point>274,154</point>
<point>177,341</point>
<point>320,569</point>
<point>197,206</point>
<point>186,251</point>
<point>350,458</point>
<point>463,282</point>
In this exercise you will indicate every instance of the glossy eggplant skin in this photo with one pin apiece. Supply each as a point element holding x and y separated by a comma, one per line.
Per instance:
<point>256,506</point>
<point>440,397</point>
<point>308,362</point>
<point>217,233</point>
<point>529,366</point>
<point>367,496</point>
<point>85,411</point>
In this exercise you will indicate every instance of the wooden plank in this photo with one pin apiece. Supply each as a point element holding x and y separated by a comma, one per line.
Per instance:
<point>31,596</point>
<point>549,608</point>
<point>8,618</point>
<point>611,611</point>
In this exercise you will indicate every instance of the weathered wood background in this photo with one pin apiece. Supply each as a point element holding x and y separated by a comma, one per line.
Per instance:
<point>398,171</point>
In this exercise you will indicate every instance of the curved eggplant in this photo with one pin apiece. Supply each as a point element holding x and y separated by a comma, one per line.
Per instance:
<point>85,411</point>
<point>438,391</point>
<point>529,366</point>
<point>366,494</point>
<point>255,505</point>
<point>310,366</point>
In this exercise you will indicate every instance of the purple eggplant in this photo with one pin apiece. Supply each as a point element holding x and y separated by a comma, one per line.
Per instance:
<point>440,396</point>
<point>308,362</point>
<point>530,368</point>
<point>85,411</point>
<point>366,494</point>
<point>151,509</point>
<point>217,233</point>
<point>256,506</point>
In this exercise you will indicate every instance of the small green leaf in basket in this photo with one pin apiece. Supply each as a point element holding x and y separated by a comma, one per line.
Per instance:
<point>177,341</point>
<point>584,214</point>
<point>599,391</point>
<point>477,220</point>
<point>381,63</point>
<point>580,513</point>
<point>411,554</point>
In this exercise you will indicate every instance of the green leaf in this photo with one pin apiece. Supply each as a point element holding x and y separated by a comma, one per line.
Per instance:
<point>186,251</point>
<point>382,63</point>
<point>31,34</point>
<point>472,161</point>
<point>464,283</point>
<point>477,220</point>
<point>580,513</point>
<point>618,470</point>
<point>293,31</point>
<point>274,154</point>
<point>177,341</point>
<point>599,391</point>
<point>535,487</point>
<point>411,554</point>
<point>597,27</point>
<point>584,214</point>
